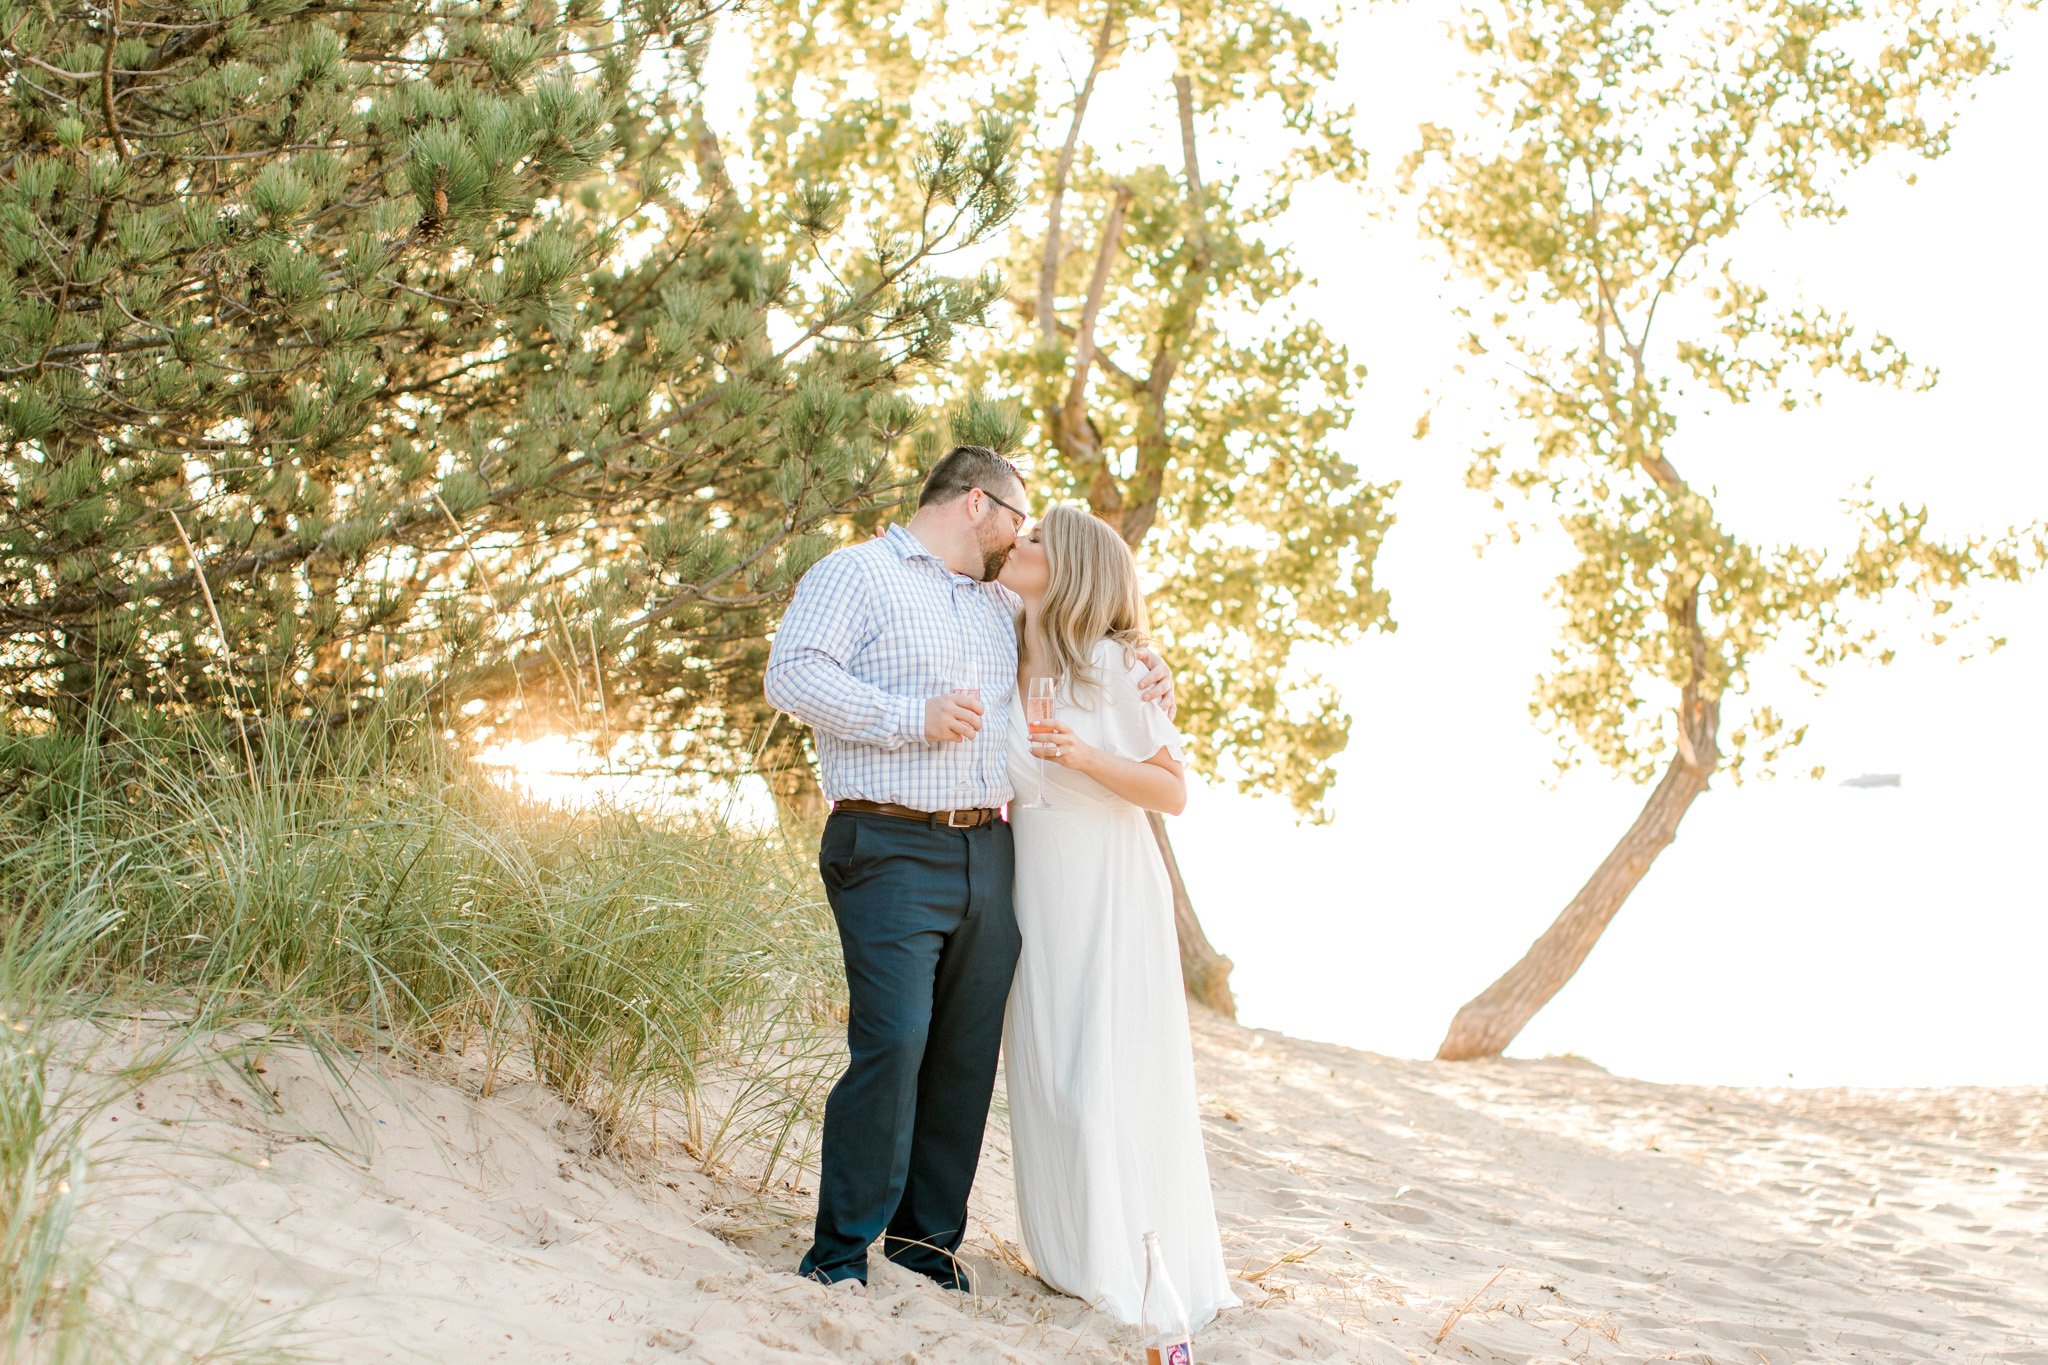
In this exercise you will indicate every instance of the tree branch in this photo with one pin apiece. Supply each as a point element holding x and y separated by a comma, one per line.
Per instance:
<point>1029,310</point>
<point>1049,264</point>
<point>107,80</point>
<point>1197,197</point>
<point>704,149</point>
<point>1140,505</point>
<point>1074,411</point>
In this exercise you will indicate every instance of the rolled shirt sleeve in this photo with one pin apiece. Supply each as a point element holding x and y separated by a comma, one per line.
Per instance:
<point>830,618</point>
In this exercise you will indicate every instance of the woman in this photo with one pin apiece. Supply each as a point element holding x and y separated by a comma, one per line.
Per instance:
<point>1108,1145</point>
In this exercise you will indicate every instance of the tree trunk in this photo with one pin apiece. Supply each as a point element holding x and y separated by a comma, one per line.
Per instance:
<point>1488,1023</point>
<point>1205,971</point>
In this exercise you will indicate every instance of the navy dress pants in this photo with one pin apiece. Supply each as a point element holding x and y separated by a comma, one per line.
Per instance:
<point>929,932</point>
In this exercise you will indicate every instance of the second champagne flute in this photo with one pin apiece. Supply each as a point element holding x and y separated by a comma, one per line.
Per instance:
<point>1039,706</point>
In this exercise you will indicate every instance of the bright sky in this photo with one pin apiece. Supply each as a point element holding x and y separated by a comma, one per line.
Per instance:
<point>1799,932</point>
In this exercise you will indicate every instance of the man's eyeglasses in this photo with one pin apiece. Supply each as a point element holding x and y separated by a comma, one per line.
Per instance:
<point>1021,515</point>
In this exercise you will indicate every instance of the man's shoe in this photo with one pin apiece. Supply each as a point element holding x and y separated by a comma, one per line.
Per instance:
<point>850,1287</point>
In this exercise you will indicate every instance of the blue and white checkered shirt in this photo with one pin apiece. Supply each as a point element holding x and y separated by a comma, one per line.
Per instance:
<point>873,632</point>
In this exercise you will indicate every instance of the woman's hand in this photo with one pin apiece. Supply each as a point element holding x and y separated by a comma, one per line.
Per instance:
<point>1056,742</point>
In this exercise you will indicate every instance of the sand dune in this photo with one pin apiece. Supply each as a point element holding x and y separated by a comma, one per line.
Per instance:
<point>1377,1211</point>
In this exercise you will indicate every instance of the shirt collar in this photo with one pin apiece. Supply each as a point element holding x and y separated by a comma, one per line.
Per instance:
<point>909,546</point>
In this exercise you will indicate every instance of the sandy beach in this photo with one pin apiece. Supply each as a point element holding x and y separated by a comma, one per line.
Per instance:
<point>1373,1210</point>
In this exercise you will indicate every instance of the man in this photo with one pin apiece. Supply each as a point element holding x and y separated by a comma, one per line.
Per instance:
<point>877,653</point>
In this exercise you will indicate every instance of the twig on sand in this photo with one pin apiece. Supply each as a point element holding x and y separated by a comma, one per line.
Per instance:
<point>1462,1309</point>
<point>1300,1253</point>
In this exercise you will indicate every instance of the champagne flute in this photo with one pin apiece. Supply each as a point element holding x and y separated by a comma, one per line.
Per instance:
<point>1038,710</point>
<point>956,682</point>
<point>962,679</point>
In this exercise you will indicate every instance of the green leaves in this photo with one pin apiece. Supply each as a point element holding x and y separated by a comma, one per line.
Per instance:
<point>1206,417</point>
<point>1598,218</point>
<point>1767,350</point>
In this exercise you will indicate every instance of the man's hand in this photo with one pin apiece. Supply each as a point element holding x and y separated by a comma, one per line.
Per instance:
<point>1157,684</point>
<point>952,717</point>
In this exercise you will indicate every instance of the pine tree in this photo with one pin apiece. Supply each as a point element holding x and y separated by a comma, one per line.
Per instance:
<point>350,349</point>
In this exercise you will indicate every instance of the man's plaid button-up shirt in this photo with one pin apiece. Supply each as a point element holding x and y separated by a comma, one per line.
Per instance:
<point>874,631</point>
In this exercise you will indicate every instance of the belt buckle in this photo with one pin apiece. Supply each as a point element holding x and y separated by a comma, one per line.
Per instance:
<point>952,824</point>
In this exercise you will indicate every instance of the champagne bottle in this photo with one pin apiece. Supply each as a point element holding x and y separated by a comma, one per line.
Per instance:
<point>1162,1317</point>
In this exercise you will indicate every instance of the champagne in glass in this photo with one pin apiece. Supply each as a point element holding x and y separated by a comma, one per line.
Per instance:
<point>1039,708</point>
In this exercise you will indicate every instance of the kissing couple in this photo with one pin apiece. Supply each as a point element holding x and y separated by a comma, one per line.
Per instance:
<point>912,656</point>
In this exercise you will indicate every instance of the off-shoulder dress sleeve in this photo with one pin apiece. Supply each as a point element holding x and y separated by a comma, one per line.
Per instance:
<point>1131,726</point>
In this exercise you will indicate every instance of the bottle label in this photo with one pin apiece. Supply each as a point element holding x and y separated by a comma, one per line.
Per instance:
<point>1175,1353</point>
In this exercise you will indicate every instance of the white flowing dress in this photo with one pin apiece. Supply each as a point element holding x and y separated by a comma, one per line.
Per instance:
<point>1100,1067</point>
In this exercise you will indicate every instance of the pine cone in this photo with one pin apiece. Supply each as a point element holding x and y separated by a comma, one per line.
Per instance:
<point>431,222</point>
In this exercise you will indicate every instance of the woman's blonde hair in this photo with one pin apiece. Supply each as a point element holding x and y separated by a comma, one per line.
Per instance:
<point>1093,593</point>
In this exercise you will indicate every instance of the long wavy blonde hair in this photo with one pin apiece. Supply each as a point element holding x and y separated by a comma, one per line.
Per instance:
<point>1093,593</point>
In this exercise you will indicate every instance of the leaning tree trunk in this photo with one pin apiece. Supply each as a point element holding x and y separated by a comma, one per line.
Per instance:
<point>1205,971</point>
<point>1486,1025</point>
<point>1132,505</point>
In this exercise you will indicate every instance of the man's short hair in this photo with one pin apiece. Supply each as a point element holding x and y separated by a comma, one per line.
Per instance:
<point>963,468</point>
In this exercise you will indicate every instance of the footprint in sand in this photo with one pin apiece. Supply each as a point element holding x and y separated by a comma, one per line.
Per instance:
<point>1932,1263</point>
<point>1891,1320</point>
<point>1403,1213</point>
<point>1753,1334</point>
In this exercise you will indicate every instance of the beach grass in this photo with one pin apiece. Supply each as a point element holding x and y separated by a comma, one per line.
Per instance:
<point>371,889</point>
<point>44,1283</point>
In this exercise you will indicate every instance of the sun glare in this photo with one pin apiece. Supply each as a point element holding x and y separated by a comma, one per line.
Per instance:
<point>564,771</point>
<point>553,768</point>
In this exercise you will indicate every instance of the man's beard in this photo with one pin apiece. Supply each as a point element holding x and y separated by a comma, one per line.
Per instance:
<point>993,558</point>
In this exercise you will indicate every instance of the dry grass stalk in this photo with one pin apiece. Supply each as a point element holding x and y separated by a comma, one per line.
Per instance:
<point>1010,1254</point>
<point>1594,1327</point>
<point>1300,1253</point>
<point>1462,1309</point>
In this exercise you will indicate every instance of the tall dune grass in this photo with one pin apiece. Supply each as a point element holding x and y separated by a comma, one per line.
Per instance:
<point>371,887</point>
<point>44,1282</point>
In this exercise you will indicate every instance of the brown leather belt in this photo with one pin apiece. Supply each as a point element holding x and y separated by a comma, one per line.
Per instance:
<point>951,819</point>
